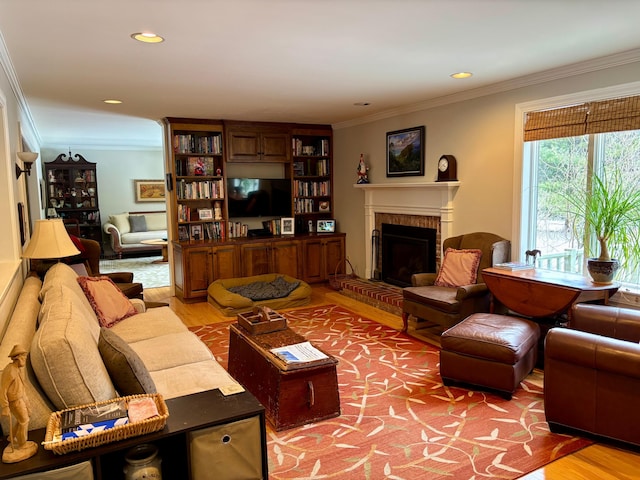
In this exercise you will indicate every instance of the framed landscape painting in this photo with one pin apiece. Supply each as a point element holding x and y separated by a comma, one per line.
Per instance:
<point>149,190</point>
<point>405,152</point>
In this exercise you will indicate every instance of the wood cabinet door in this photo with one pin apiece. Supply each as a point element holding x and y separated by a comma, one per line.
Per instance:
<point>199,271</point>
<point>333,256</point>
<point>285,258</point>
<point>312,265</point>
<point>224,262</point>
<point>276,147</point>
<point>255,258</point>
<point>244,146</point>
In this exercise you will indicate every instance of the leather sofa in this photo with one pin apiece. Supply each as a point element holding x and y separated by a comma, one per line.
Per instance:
<point>592,373</point>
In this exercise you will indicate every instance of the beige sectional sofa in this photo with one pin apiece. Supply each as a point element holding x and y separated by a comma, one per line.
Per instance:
<point>127,231</point>
<point>55,321</point>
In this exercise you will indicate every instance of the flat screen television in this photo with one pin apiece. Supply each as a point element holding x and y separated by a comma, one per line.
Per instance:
<point>259,197</point>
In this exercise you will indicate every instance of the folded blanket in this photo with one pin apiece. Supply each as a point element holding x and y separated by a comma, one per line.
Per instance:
<point>278,288</point>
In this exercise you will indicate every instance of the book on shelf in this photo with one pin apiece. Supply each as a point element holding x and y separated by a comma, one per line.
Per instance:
<point>514,266</point>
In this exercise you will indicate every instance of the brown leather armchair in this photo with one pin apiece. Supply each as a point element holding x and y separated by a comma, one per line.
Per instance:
<point>91,258</point>
<point>447,306</point>
<point>592,373</point>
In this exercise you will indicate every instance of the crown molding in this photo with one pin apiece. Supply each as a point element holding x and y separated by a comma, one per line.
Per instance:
<point>7,66</point>
<point>601,63</point>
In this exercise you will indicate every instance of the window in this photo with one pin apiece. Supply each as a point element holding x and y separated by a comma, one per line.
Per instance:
<point>562,146</point>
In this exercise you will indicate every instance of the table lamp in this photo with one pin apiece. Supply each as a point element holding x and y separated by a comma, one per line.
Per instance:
<point>50,241</point>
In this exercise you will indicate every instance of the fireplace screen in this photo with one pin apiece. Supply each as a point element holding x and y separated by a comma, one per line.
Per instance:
<point>406,250</point>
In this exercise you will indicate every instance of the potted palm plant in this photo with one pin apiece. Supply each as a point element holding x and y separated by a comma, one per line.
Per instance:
<point>611,211</point>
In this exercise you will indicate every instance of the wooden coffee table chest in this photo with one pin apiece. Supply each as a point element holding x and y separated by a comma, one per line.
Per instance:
<point>292,394</point>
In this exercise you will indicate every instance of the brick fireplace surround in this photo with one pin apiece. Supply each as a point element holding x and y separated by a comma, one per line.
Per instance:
<point>415,204</point>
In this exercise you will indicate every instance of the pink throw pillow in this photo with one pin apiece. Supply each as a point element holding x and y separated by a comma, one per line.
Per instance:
<point>459,267</point>
<point>107,300</point>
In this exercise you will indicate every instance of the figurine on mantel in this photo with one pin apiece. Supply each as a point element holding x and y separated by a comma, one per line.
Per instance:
<point>13,400</point>
<point>362,171</point>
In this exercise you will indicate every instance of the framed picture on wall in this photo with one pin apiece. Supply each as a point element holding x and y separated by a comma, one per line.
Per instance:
<point>405,152</point>
<point>149,190</point>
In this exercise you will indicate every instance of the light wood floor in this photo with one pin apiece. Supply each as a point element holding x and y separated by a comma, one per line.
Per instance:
<point>598,461</point>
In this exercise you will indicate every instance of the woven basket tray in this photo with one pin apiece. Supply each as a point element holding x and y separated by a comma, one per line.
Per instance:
<point>111,435</point>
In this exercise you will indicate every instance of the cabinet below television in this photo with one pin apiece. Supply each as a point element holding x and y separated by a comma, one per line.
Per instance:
<point>310,257</point>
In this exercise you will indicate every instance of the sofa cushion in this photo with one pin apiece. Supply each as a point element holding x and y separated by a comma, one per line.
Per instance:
<point>121,222</point>
<point>137,237</point>
<point>459,267</point>
<point>128,373</point>
<point>191,378</point>
<point>62,274</point>
<point>156,221</point>
<point>138,223</point>
<point>20,331</point>
<point>136,328</point>
<point>107,300</point>
<point>65,356</point>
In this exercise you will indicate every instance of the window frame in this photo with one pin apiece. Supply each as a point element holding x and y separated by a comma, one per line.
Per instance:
<point>524,198</point>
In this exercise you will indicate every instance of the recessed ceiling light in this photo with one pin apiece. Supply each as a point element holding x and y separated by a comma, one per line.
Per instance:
<point>147,37</point>
<point>112,101</point>
<point>362,104</point>
<point>461,75</point>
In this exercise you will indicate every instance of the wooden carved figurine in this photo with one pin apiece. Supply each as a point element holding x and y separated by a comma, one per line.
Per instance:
<point>13,400</point>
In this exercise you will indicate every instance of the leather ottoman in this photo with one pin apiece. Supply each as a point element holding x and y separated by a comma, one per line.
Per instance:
<point>495,352</point>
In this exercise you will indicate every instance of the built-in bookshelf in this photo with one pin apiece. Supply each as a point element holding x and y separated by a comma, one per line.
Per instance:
<point>196,181</point>
<point>312,167</point>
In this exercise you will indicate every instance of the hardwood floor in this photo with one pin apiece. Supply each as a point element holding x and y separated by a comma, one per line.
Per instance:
<point>598,461</point>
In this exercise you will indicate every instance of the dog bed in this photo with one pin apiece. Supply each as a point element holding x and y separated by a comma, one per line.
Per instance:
<point>274,290</point>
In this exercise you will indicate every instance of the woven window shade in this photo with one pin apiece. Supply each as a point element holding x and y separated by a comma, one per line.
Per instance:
<point>614,115</point>
<point>594,117</point>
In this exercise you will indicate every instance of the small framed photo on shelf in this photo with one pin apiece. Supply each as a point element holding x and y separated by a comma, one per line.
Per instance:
<point>287,226</point>
<point>326,226</point>
<point>405,152</point>
<point>196,232</point>
<point>183,233</point>
<point>324,206</point>
<point>205,213</point>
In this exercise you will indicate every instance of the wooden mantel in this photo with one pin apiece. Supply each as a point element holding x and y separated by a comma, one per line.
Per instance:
<point>428,199</point>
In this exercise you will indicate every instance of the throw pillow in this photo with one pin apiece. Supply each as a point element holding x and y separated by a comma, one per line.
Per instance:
<point>138,223</point>
<point>459,267</point>
<point>121,221</point>
<point>128,372</point>
<point>107,300</point>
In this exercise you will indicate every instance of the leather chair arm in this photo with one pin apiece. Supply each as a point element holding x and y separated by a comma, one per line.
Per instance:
<point>468,291</point>
<point>592,352</point>
<point>120,277</point>
<point>614,322</point>
<point>423,279</point>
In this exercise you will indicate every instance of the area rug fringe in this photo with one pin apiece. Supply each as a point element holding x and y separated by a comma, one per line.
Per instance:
<point>398,420</point>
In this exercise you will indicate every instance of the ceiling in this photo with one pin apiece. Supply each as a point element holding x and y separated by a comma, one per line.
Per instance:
<point>283,60</point>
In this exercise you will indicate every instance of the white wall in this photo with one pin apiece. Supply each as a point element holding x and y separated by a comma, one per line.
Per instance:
<point>479,132</point>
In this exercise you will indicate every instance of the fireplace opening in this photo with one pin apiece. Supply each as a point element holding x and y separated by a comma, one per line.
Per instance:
<point>407,250</point>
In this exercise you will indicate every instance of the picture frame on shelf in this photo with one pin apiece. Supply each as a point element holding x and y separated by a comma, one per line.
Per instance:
<point>205,213</point>
<point>287,226</point>
<point>183,233</point>
<point>149,190</point>
<point>326,226</point>
<point>196,232</point>
<point>405,152</point>
<point>324,206</point>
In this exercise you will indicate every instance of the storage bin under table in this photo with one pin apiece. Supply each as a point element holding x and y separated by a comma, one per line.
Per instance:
<point>292,394</point>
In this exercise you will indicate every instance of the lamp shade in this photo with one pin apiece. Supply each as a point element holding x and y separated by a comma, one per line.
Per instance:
<point>50,240</point>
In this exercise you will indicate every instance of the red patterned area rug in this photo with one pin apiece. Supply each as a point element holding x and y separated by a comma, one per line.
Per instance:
<point>398,420</point>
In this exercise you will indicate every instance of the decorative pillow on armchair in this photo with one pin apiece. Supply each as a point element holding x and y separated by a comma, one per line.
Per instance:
<point>459,267</point>
<point>107,300</point>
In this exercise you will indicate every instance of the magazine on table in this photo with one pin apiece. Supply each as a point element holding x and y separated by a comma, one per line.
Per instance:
<point>299,353</point>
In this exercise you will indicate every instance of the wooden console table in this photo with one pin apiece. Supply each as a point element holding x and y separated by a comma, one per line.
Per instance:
<point>543,293</point>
